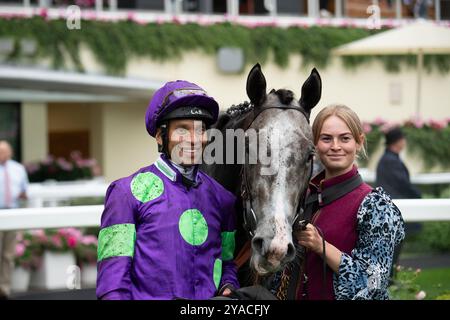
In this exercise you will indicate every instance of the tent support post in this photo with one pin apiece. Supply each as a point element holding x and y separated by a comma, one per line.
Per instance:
<point>419,80</point>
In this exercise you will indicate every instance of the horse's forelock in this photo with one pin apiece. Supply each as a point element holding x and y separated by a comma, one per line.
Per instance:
<point>285,96</point>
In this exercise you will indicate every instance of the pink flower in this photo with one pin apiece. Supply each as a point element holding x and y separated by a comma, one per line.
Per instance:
<point>66,166</point>
<point>421,295</point>
<point>32,167</point>
<point>418,122</point>
<point>48,160</point>
<point>40,235</point>
<point>68,233</point>
<point>19,236</point>
<point>84,3</point>
<point>87,240</point>
<point>379,121</point>
<point>89,15</point>
<point>74,233</point>
<point>160,20</point>
<point>76,155</point>
<point>56,241</point>
<point>20,249</point>
<point>367,128</point>
<point>438,125</point>
<point>176,20</point>
<point>72,242</point>
<point>131,16</point>
<point>139,21</point>
<point>43,13</point>
<point>386,127</point>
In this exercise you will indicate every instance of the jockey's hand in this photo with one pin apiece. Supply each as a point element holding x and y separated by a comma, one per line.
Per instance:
<point>226,292</point>
<point>310,238</point>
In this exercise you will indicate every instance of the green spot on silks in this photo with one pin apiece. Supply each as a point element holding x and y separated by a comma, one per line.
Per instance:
<point>217,273</point>
<point>116,241</point>
<point>228,245</point>
<point>146,186</point>
<point>193,227</point>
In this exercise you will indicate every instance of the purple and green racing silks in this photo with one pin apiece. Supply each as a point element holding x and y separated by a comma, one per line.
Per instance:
<point>162,240</point>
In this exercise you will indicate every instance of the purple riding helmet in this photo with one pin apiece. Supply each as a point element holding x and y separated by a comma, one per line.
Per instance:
<point>180,100</point>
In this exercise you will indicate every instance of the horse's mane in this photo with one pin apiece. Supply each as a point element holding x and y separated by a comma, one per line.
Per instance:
<point>232,113</point>
<point>240,109</point>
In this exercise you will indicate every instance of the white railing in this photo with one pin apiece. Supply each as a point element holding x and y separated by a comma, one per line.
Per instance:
<point>86,216</point>
<point>51,193</point>
<point>421,178</point>
<point>54,217</point>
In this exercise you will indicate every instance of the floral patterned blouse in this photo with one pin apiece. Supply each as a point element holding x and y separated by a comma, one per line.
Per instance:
<point>365,273</point>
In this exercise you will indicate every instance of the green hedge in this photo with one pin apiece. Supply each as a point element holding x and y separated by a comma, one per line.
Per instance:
<point>436,235</point>
<point>115,43</point>
<point>429,141</point>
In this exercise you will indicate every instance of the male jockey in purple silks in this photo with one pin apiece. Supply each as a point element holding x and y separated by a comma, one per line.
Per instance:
<point>167,231</point>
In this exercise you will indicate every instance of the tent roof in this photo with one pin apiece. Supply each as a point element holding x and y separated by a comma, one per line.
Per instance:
<point>410,39</point>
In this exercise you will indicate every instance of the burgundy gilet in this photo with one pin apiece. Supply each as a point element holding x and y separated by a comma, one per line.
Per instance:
<point>338,223</point>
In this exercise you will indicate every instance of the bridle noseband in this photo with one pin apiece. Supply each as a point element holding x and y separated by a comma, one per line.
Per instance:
<point>250,221</point>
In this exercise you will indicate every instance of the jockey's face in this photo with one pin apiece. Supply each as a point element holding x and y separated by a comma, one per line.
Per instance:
<point>187,139</point>
<point>336,147</point>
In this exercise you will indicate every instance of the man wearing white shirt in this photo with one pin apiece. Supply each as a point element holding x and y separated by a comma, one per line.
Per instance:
<point>13,185</point>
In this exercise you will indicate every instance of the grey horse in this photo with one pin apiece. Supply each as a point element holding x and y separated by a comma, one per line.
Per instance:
<point>270,193</point>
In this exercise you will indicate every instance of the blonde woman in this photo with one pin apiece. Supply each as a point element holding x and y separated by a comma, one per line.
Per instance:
<point>353,228</point>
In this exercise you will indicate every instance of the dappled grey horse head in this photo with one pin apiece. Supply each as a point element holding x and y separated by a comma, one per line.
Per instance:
<point>277,186</point>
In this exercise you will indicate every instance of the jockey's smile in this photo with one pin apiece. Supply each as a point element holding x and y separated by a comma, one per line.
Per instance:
<point>186,141</point>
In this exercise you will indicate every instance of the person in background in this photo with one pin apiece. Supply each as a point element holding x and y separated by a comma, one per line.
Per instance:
<point>393,176</point>
<point>392,173</point>
<point>13,187</point>
<point>421,9</point>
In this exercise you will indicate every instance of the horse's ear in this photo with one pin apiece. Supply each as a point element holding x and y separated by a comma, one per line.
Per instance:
<point>311,91</point>
<point>256,86</point>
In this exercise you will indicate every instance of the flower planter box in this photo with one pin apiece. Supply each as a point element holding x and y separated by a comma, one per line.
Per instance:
<point>54,272</point>
<point>20,280</point>
<point>89,276</point>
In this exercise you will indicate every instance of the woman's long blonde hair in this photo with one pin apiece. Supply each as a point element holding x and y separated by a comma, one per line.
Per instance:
<point>350,118</point>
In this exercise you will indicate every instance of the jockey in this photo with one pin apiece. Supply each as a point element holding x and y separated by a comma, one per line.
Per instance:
<point>167,230</point>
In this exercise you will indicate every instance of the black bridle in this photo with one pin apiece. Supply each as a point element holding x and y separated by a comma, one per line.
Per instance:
<point>250,221</point>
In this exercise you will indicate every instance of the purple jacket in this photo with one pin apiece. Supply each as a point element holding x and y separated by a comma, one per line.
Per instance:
<point>162,240</point>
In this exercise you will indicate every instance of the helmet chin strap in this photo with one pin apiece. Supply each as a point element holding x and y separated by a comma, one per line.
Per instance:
<point>164,147</point>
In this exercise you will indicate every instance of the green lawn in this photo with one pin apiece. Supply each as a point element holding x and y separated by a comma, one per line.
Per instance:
<point>435,283</point>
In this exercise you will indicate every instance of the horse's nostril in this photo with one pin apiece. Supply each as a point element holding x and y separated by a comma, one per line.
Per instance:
<point>257,244</point>
<point>290,251</point>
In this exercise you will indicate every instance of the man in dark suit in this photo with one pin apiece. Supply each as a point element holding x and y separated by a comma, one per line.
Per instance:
<point>393,176</point>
